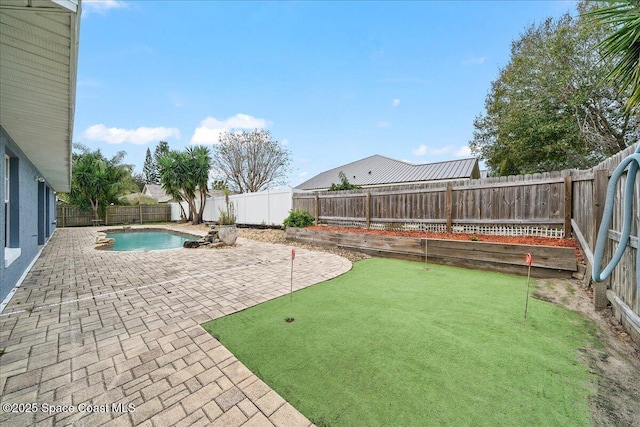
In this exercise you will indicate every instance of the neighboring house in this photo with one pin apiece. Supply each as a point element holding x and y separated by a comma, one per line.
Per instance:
<point>381,171</point>
<point>38,62</point>
<point>157,192</point>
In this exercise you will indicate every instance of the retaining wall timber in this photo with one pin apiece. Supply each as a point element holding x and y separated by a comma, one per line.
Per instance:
<point>548,261</point>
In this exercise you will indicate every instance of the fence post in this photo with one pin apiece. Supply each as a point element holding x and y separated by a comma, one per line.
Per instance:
<point>106,216</point>
<point>140,212</point>
<point>367,209</point>
<point>600,181</point>
<point>448,203</point>
<point>64,216</point>
<point>316,209</point>
<point>568,201</point>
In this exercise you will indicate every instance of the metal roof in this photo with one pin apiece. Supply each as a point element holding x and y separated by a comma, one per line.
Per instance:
<point>379,170</point>
<point>38,63</point>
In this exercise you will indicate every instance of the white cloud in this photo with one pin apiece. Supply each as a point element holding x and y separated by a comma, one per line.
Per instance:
<point>141,135</point>
<point>423,149</point>
<point>420,151</point>
<point>395,102</point>
<point>464,151</point>
<point>210,128</point>
<point>284,142</point>
<point>303,174</point>
<point>383,124</point>
<point>102,6</point>
<point>474,61</point>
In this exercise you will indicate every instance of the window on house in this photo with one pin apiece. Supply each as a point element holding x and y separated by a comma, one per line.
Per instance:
<point>11,211</point>
<point>7,186</point>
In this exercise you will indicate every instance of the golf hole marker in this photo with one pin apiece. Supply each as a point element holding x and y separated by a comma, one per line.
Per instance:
<point>529,260</point>
<point>290,318</point>
<point>426,254</point>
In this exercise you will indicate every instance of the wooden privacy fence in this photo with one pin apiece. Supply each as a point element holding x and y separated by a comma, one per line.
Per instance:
<point>621,289</point>
<point>72,216</point>
<point>538,204</point>
<point>558,204</point>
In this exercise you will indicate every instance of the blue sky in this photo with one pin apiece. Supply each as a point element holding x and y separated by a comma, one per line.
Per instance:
<point>333,81</point>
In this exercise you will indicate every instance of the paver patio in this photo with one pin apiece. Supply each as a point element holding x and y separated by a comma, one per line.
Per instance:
<point>92,329</point>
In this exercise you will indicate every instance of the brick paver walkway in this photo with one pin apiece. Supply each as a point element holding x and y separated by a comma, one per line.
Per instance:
<point>98,331</point>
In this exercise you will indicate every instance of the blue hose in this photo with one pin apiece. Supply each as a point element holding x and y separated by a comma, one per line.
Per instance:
<point>598,274</point>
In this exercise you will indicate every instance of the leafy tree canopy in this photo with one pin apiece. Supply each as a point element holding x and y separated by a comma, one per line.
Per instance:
<point>139,181</point>
<point>344,184</point>
<point>546,110</point>
<point>162,149</point>
<point>150,169</point>
<point>97,181</point>
<point>251,161</point>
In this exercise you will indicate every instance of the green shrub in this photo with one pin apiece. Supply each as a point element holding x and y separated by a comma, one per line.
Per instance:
<point>344,184</point>
<point>298,218</point>
<point>228,216</point>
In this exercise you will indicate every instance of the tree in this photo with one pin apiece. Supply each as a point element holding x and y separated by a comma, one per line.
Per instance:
<point>171,181</point>
<point>162,149</point>
<point>219,184</point>
<point>149,169</point>
<point>199,162</point>
<point>545,111</point>
<point>344,184</point>
<point>184,176</point>
<point>139,181</point>
<point>622,45</point>
<point>251,161</point>
<point>97,181</point>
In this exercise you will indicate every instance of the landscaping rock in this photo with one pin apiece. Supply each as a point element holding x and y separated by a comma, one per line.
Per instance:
<point>228,234</point>
<point>105,241</point>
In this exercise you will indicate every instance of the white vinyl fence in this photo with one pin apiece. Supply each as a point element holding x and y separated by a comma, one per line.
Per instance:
<point>269,207</point>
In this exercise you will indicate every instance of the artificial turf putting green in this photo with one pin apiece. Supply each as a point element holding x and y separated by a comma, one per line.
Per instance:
<point>390,344</point>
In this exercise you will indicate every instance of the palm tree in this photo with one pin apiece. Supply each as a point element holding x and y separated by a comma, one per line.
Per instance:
<point>623,44</point>
<point>185,174</point>
<point>169,171</point>
<point>199,167</point>
<point>97,181</point>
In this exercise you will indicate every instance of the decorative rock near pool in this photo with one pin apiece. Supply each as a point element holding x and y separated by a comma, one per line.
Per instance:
<point>228,234</point>
<point>105,241</point>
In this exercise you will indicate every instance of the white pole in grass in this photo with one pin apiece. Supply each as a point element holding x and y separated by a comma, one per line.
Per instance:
<point>425,250</point>
<point>529,260</point>
<point>426,253</point>
<point>290,318</point>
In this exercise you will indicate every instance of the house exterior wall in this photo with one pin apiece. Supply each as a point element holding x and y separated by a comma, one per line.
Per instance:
<point>31,217</point>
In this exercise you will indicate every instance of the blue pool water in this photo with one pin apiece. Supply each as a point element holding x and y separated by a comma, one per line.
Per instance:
<point>147,240</point>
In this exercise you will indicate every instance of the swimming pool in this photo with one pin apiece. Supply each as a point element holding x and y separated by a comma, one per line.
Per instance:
<point>146,240</point>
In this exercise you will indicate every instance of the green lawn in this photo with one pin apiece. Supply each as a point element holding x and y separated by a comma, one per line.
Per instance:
<point>390,344</point>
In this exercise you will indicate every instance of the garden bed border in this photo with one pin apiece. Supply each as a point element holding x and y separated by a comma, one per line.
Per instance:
<point>548,261</point>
